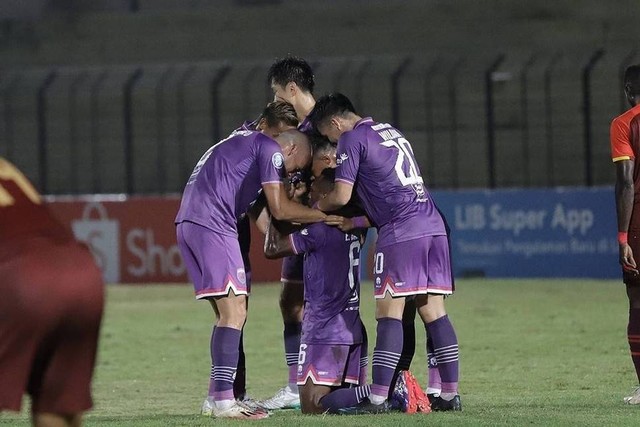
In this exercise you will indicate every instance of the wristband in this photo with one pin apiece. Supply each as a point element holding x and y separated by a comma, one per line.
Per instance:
<point>622,237</point>
<point>359,221</point>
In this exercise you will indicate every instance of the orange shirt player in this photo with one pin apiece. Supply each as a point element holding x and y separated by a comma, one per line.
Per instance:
<point>625,152</point>
<point>51,302</point>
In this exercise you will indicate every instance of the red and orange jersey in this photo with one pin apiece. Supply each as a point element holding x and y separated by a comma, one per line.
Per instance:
<point>21,210</point>
<point>625,135</point>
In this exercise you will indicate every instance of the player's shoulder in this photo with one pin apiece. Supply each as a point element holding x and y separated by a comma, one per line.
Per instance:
<point>625,118</point>
<point>318,231</point>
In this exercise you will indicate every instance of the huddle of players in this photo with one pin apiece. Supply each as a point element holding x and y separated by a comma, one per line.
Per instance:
<point>242,174</point>
<point>48,349</point>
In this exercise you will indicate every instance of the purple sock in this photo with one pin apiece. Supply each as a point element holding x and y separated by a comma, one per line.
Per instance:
<point>344,398</point>
<point>434,384</point>
<point>291,348</point>
<point>386,355</point>
<point>445,348</point>
<point>224,355</point>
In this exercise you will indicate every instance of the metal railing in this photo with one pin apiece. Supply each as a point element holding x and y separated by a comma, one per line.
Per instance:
<point>451,106</point>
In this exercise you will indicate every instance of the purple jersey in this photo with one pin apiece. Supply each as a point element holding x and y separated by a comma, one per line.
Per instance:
<point>305,126</point>
<point>379,160</point>
<point>331,284</point>
<point>228,178</point>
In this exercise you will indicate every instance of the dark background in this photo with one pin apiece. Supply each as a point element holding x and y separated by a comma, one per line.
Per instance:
<point>123,96</point>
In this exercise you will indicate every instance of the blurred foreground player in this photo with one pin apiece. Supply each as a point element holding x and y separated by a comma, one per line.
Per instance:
<point>625,150</point>
<point>51,301</point>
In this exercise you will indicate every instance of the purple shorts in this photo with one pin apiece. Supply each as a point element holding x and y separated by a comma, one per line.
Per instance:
<point>292,269</point>
<point>417,266</point>
<point>213,261</point>
<point>329,364</point>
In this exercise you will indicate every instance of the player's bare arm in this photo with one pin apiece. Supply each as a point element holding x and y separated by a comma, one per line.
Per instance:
<point>337,198</point>
<point>624,206</point>
<point>276,243</point>
<point>284,209</point>
<point>347,224</point>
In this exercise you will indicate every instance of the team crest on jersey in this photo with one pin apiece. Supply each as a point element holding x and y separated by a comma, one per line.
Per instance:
<point>341,158</point>
<point>278,160</point>
<point>242,276</point>
<point>304,232</point>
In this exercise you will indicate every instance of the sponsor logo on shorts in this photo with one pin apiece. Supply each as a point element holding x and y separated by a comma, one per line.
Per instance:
<point>299,369</point>
<point>399,284</point>
<point>242,276</point>
<point>278,160</point>
<point>378,282</point>
<point>304,232</point>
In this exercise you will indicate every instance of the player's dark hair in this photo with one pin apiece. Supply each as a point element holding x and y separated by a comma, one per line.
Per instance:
<point>292,69</point>
<point>279,112</point>
<point>632,79</point>
<point>328,106</point>
<point>320,144</point>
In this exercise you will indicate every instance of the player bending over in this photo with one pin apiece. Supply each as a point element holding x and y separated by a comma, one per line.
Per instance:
<point>277,117</point>
<point>412,250</point>
<point>223,185</point>
<point>51,301</point>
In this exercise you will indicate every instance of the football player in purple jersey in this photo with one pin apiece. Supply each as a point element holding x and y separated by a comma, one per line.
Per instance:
<point>277,117</point>
<point>291,80</point>
<point>223,185</point>
<point>377,161</point>
<point>333,350</point>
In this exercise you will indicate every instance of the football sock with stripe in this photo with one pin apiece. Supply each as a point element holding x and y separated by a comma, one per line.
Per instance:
<point>225,344</point>
<point>434,384</point>
<point>386,355</point>
<point>445,348</point>
<point>344,398</point>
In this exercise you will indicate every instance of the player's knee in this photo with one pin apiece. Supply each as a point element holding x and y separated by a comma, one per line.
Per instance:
<point>431,307</point>
<point>232,315</point>
<point>390,307</point>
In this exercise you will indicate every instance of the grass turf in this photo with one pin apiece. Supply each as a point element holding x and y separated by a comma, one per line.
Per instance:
<point>533,352</point>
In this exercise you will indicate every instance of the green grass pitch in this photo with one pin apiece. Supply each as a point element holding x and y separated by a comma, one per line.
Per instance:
<point>533,352</point>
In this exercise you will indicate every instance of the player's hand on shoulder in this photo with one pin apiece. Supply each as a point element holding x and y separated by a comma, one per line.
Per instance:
<point>344,224</point>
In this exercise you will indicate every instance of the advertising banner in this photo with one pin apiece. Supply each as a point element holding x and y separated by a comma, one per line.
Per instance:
<point>532,233</point>
<point>499,233</point>
<point>133,239</point>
